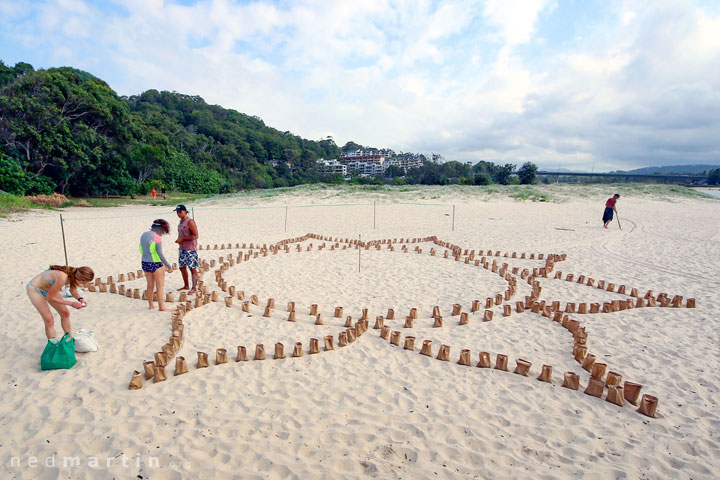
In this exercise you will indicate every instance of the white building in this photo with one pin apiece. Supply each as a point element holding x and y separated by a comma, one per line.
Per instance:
<point>405,161</point>
<point>332,166</point>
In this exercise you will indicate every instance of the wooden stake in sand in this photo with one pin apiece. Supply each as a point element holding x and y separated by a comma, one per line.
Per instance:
<point>62,229</point>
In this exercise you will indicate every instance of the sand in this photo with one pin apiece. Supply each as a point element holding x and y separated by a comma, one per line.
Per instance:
<point>372,409</point>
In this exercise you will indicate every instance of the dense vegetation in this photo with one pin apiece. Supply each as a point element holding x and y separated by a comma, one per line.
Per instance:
<point>64,130</point>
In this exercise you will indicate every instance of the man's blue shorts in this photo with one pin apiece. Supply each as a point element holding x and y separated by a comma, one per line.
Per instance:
<point>188,258</point>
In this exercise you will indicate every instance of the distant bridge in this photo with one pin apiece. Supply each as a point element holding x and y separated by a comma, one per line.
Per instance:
<point>631,177</point>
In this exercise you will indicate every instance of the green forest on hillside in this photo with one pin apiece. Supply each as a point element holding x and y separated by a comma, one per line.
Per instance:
<point>65,130</point>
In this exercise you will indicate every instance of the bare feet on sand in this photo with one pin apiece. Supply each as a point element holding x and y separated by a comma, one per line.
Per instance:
<point>163,309</point>
<point>182,288</point>
<point>192,292</point>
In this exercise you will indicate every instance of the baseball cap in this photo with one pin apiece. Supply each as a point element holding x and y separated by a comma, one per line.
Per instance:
<point>180,208</point>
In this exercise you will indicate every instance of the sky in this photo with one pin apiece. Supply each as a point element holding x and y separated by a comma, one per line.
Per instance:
<point>584,85</point>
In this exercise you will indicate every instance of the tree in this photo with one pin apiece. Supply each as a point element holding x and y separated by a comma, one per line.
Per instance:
<point>393,171</point>
<point>67,125</point>
<point>502,174</point>
<point>714,177</point>
<point>527,173</point>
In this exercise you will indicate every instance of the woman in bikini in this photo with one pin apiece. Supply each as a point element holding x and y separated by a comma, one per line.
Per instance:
<point>154,263</point>
<point>44,292</point>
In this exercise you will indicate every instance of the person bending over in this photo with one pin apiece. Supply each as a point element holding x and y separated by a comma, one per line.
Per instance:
<point>44,292</point>
<point>609,209</point>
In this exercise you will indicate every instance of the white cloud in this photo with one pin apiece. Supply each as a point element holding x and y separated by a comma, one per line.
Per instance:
<point>516,19</point>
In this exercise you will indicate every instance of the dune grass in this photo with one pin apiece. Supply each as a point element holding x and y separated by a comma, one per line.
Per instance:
<point>556,193</point>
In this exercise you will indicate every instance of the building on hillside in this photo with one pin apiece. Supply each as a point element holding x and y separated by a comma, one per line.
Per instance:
<point>405,161</point>
<point>332,166</point>
<point>367,155</point>
<point>365,168</point>
<point>291,166</point>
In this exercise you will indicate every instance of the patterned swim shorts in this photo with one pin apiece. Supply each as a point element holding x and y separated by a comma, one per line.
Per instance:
<point>189,259</point>
<point>150,267</point>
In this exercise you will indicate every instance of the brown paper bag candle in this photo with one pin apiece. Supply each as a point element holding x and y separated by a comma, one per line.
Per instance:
<point>395,338</point>
<point>409,343</point>
<point>220,356</point>
<point>613,378</point>
<point>202,361</point>
<point>379,323</point>
<point>464,318</point>
<point>241,354</point>
<point>545,374</point>
<point>595,388</point>
<point>426,348</point>
<point>279,351</point>
<point>319,320</point>
<point>342,339</point>
<point>487,316</point>
<point>598,371</point>
<point>588,362</point>
<point>438,322</point>
<point>484,360</point>
<point>351,334</point>
<point>169,350</point>
<point>228,301</point>
<point>297,350</point>
<point>160,375</point>
<point>631,392</point>
<point>571,381</point>
<point>149,367</point>
<point>329,343</point>
<point>523,367</point>
<point>648,406</point>
<point>444,353</point>
<point>313,309</point>
<point>501,362</point>
<point>259,352</point>
<point>136,381</point>
<point>160,359</point>
<point>464,358</point>
<point>615,395</point>
<point>314,346</point>
<point>180,365</point>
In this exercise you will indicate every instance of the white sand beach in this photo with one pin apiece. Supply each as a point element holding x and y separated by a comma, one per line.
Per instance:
<point>372,409</point>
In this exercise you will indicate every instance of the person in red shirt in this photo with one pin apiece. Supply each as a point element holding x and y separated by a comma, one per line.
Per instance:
<point>609,209</point>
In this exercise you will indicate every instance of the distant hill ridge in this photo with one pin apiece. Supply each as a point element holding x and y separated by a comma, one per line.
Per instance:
<point>671,170</point>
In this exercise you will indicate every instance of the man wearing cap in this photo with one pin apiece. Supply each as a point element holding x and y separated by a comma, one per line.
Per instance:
<point>187,240</point>
<point>609,209</point>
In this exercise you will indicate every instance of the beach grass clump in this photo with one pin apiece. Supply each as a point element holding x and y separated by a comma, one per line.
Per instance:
<point>56,200</point>
<point>10,204</point>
